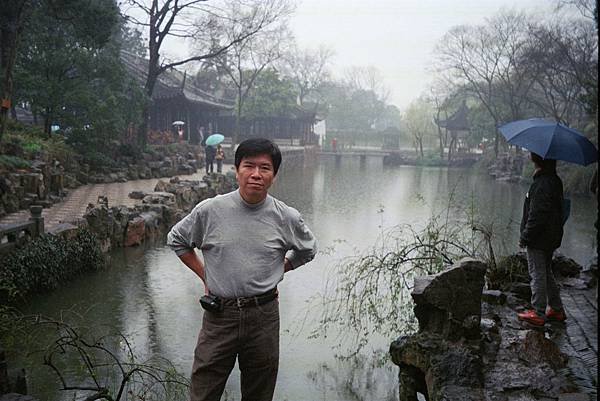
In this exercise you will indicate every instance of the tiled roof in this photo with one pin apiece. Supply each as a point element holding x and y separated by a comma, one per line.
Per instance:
<point>171,83</point>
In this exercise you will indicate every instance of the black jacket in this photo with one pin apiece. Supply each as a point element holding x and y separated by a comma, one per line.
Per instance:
<point>542,225</point>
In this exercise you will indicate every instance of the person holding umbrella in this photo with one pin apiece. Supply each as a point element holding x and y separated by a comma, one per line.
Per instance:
<point>209,154</point>
<point>541,235</point>
<point>544,211</point>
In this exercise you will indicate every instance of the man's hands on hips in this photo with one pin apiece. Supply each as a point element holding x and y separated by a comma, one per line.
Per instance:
<point>287,265</point>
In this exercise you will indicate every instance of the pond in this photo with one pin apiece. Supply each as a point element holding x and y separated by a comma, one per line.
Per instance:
<point>150,296</point>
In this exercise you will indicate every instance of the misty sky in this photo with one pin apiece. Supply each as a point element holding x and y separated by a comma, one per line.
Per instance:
<point>396,36</point>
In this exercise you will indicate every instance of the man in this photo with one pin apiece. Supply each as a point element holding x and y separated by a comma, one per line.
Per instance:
<point>541,234</point>
<point>249,240</point>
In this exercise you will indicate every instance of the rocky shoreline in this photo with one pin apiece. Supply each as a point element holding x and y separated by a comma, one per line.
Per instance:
<point>471,347</point>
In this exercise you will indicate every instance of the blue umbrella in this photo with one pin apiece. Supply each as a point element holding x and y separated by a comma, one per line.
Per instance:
<point>214,139</point>
<point>550,140</point>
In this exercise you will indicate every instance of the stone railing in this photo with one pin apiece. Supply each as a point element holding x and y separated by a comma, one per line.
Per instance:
<point>13,235</point>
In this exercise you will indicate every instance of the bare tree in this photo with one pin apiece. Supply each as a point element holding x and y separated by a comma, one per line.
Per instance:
<point>587,8</point>
<point>470,57</point>
<point>438,97</point>
<point>516,70</point>
<point>308,69</point>
<point>368,79</point>
<point>419,122</point>
<point>174,19</point>
<point>245,59</point>
<point>565,84</point>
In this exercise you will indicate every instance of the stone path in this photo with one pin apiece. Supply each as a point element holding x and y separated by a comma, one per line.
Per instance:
<point>77,200</point>
<point>581,339</point>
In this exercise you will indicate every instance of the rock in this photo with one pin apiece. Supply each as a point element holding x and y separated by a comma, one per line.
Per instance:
<point>521,290</point>
<point>449,303</point>
<point>135,232</point>
<point>164,198</point>
<point>65,230</point>
<point>494,297</point>
<point>575,282</point>
<point>538,349</point>
<point>564,266</point>
<point>508,270</point>
<point>101,222</point>
<point>16,397</point>
<point>137,195</point>
<point>152,221</point>
<point>431,365</point>
<point>574,397</point>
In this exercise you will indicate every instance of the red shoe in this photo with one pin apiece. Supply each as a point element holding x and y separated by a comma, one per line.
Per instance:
<point>532,317</point>
<point>558,316</point>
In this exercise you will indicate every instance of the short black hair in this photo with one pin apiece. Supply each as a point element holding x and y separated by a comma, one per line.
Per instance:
<point>258,146</point>
<point>544,164</point>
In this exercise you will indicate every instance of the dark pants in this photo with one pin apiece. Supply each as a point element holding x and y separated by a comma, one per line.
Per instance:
<point>544,290</point>
<point>209,165</point>
<point>219,165</point>
<point>249,334</point>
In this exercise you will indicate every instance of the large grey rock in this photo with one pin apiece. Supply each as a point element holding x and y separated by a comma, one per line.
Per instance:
<point>449,303</point>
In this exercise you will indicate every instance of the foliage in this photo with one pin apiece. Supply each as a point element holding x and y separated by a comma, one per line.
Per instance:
<point>69,72</point>
<point>272,96</point>
<point>510,269</point>
<point>13,162</point>
<point>419,123</point>
<point>29,142</point>
<point>369,293</point>
<point>46,262</point>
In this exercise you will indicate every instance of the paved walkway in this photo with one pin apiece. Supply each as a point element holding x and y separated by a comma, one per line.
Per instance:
<point>77,200</point>
<point>581,340</point>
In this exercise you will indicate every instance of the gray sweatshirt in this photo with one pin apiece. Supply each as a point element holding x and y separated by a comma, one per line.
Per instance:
<point>243,244</point>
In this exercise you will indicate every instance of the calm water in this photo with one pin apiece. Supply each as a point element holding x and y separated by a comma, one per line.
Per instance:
<point>150,296</point>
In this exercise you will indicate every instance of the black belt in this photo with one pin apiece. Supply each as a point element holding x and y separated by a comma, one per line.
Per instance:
<point>246,302</point>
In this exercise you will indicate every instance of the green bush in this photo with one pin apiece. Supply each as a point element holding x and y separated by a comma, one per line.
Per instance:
<point>13,162</point>
<point>46,262</point>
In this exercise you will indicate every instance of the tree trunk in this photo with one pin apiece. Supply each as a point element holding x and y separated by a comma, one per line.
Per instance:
<point>8,47</point>
<point>496,138</point>
<point>238,118</point>
<point>47,122</point>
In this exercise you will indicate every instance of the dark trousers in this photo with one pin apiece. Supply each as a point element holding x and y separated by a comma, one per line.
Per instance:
<point>209,165</point>
<point>249,334</point>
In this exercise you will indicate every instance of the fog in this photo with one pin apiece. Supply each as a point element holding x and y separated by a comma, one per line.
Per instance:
<point>396,36</point>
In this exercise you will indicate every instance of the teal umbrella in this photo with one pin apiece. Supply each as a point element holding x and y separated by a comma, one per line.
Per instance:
<point>214,139</point>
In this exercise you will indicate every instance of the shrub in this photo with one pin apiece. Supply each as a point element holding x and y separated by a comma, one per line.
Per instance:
<point>13,162</point>
<point>46,262</point>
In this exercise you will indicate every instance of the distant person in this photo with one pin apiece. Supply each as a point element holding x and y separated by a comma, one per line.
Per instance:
<point>334,144</point>
<point>209,152</point>
<point>201,138</point>
<point>180,133</point>
<point>541,235</point>
<point>219,157</point>
<point>249,240</point>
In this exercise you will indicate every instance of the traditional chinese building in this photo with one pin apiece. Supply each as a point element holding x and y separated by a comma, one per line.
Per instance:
<point>458,127</point>
<point>176,98</point>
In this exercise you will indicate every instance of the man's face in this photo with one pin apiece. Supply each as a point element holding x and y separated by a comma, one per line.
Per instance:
<point>255,176</point>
